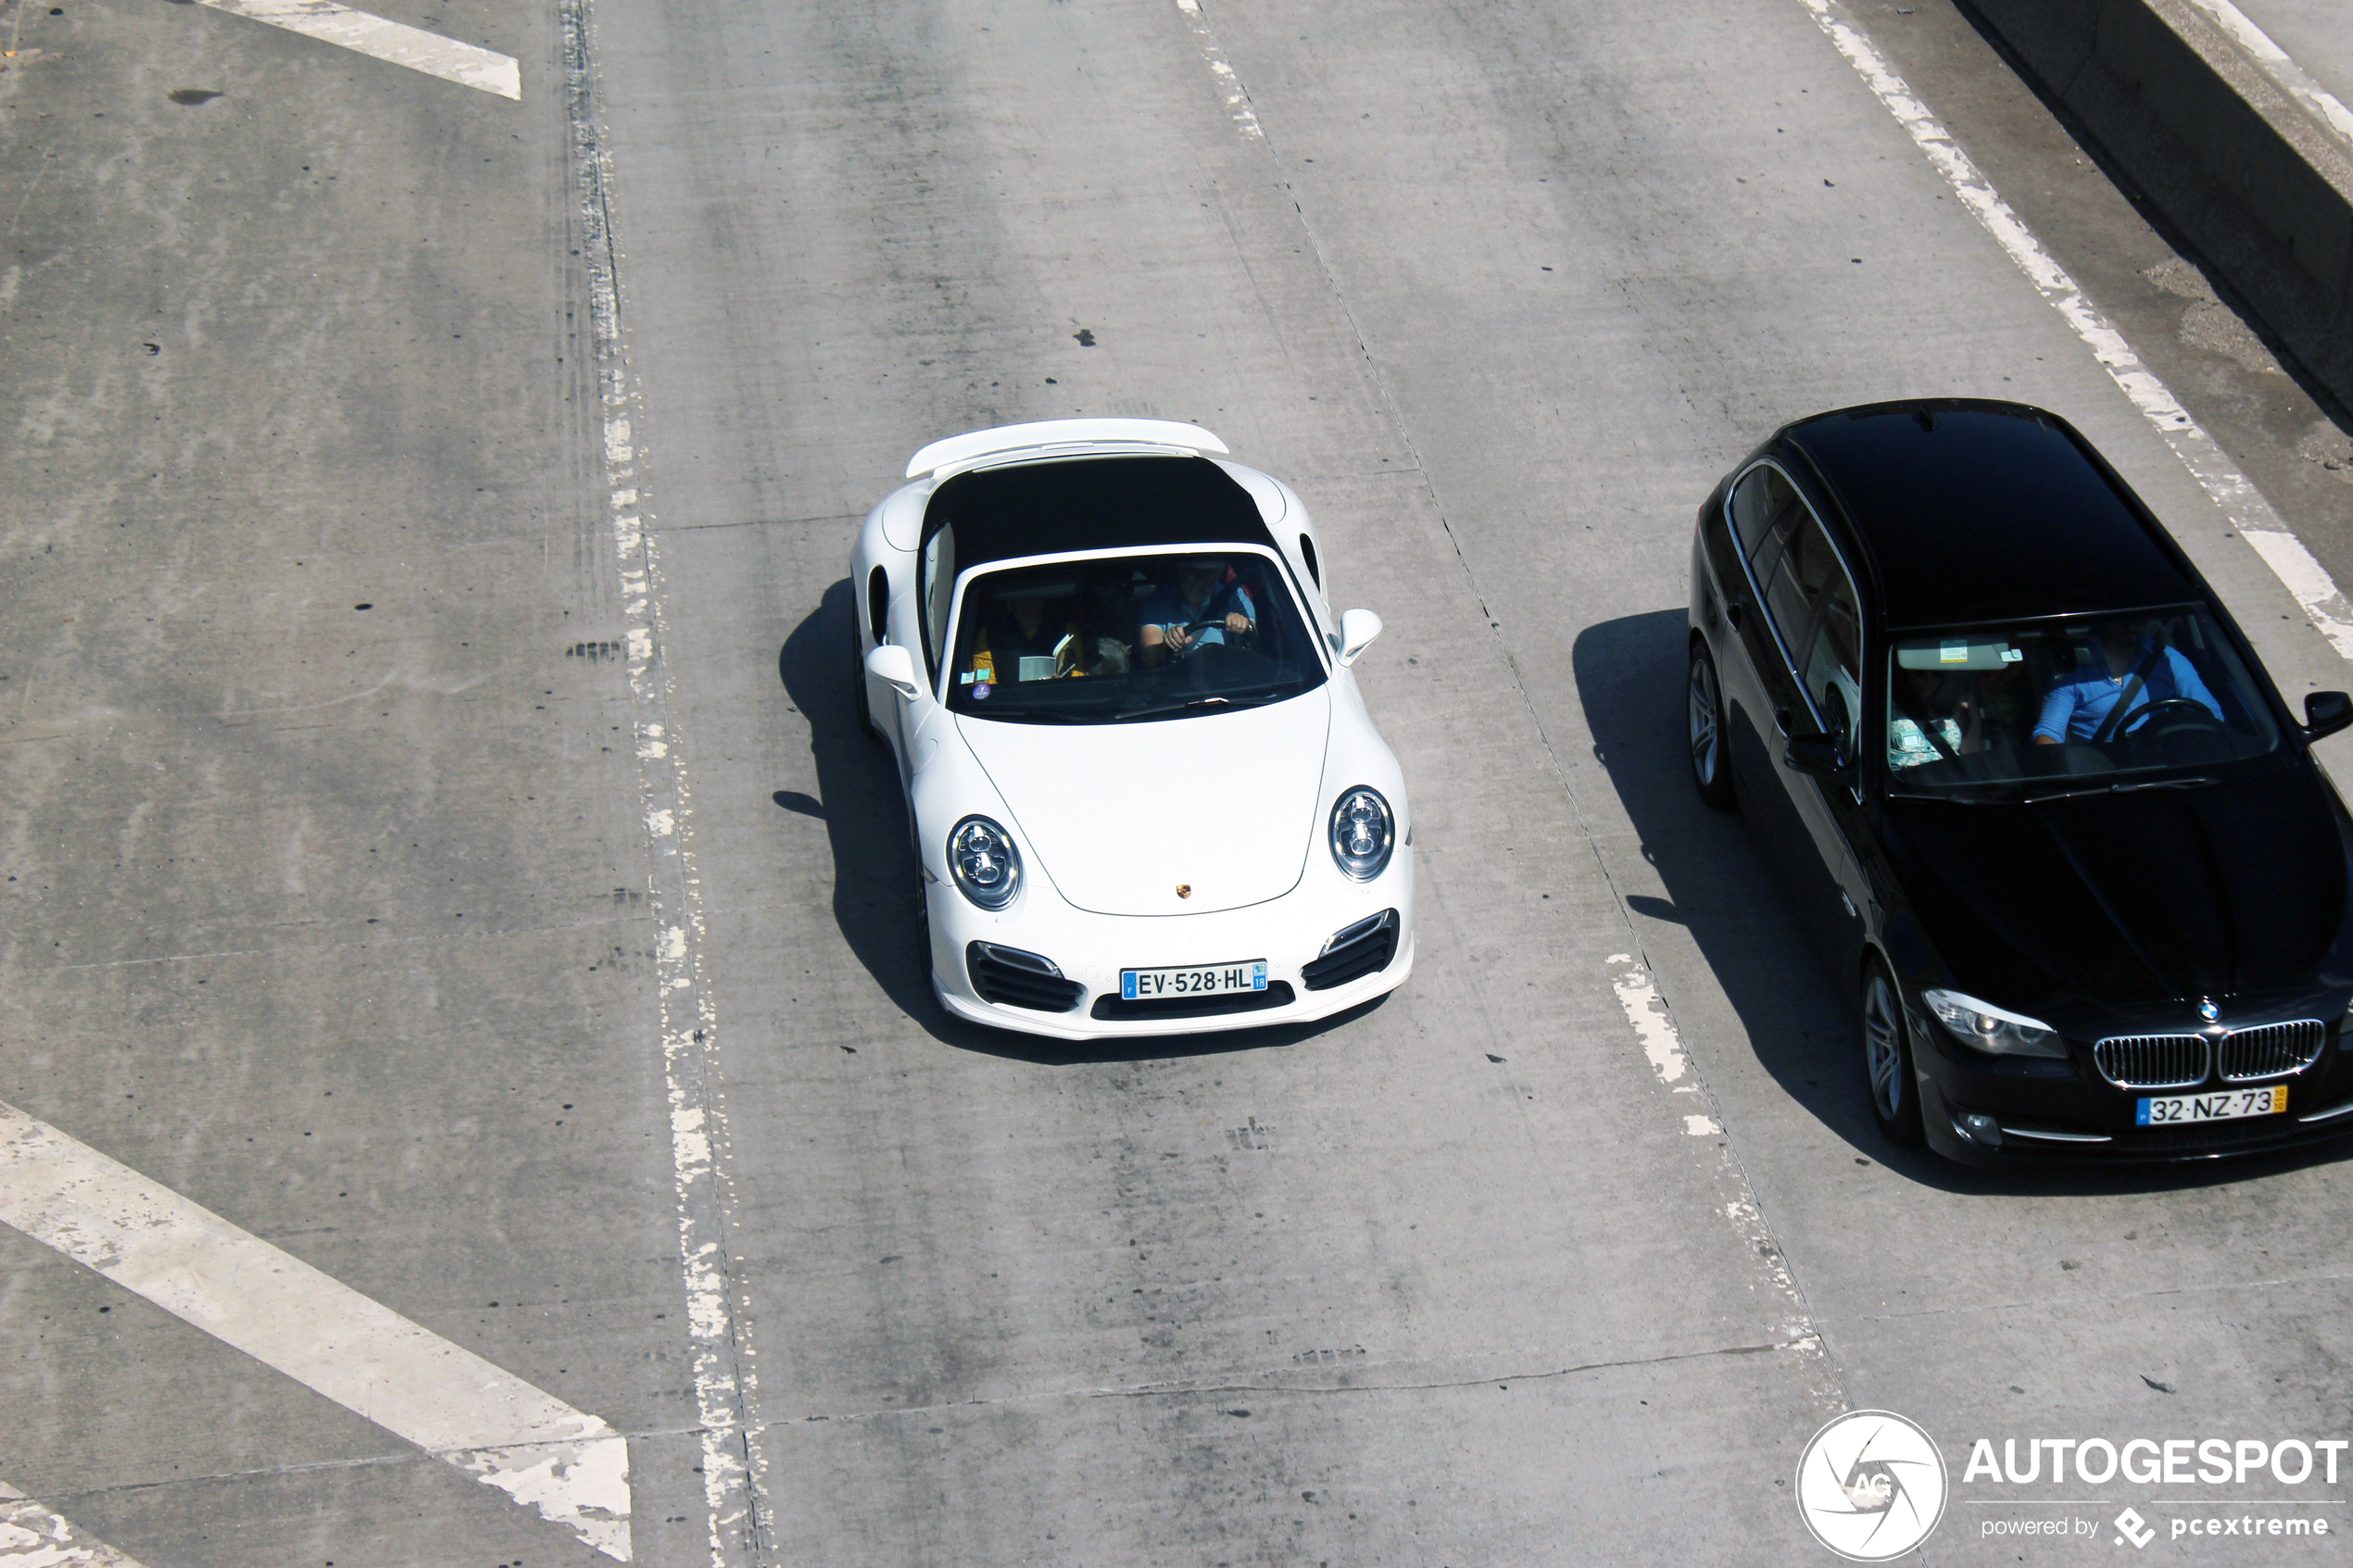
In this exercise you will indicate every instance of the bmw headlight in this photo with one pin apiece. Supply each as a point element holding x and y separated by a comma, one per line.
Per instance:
<point>1363,832</point>
<point>1990,1028</point>
<point>982,859</point>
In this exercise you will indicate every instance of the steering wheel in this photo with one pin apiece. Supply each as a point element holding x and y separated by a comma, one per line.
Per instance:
<point>2186,707</point>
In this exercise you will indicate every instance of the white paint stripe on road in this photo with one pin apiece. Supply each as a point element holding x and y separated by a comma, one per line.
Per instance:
<point>569,1465</point>
<point>2251,514</point>
<point>1237,101</point>
<point>719,1321</point>
<point>1653,1025</point>
<point>2278,65</point>
<point>35,1536</point>
<point>411,47</point>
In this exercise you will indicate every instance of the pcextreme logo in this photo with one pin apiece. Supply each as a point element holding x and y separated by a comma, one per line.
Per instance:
<point>1870,1486</point>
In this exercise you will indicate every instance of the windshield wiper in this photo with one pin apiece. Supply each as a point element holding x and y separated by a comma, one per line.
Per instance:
<point>2127,787</point>
<point>1191,703</point>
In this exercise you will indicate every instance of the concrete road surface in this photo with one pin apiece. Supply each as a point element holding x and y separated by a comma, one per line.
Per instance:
<point>439,846</point>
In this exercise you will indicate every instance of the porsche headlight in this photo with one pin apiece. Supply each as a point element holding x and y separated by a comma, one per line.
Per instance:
<point>984,862</point>
<point>1363,832</point>
<point>1990,1028</point>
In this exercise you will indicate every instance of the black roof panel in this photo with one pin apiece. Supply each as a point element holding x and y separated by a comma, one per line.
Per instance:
<point>1092,504</point>
<point>1988,511</point>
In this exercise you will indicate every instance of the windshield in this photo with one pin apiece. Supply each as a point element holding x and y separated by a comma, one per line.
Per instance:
<point>2135,701</point>
<point>1129,638</point>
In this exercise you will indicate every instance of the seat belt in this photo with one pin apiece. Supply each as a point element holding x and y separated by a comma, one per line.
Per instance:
<point>2123,707</point>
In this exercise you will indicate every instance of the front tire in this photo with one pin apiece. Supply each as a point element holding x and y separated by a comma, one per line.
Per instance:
<point>858,687</point>
<point>1887,1060</point>
<point>1704,711</point>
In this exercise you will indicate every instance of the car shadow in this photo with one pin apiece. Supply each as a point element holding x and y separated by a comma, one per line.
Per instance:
<point>1776,955</point>
<point>876,871</point>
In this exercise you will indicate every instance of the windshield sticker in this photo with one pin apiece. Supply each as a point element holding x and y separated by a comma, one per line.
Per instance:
<point>1953,650</point>
<point>982,689</point>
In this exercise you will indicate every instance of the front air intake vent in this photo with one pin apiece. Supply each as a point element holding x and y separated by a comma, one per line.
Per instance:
<point>1014,979</point>
<point>1353,952</point>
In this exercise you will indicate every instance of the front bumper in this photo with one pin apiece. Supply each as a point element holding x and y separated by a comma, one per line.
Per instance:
<point>2052,1110</point>
<point>1288,932</point>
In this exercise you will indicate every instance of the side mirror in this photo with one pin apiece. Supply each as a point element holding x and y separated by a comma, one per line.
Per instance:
<point>895,667</point>
<point>1822,755</point>
<point>1357,630</point>
<point>2325,713</point>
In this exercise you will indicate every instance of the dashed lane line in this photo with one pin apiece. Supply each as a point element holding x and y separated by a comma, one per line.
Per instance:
<point>567,1464</point>
<point>1238,101</point>
<point>719,1318</point>
<point>35,1536</point>
<point>412,46</point>
<point>2251,514</point>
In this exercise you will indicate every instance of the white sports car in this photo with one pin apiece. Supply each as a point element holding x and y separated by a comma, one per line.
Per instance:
<point>1146,793</point>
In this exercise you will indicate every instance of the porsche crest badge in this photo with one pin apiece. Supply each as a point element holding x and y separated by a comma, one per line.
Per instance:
<point>1184,890</point>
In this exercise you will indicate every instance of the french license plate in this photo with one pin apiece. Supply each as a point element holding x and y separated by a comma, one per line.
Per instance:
<point>1204,980</point>
<point>2165,1111</point>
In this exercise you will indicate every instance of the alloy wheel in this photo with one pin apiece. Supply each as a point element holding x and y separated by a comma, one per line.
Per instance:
<point>1705,712</point>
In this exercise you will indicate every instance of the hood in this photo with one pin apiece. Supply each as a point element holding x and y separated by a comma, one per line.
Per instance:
<point>1119,816</point>
<point>2162,894</point>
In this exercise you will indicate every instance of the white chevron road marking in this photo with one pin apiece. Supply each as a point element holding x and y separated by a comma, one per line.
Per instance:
<point>411,47</point>
<point>35,1536</point>
<point>567,1464</point>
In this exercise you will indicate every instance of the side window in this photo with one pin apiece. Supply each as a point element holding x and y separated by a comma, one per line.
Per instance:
<point>878,604</point>
<point>939,589</point>
<point>1805,568</point>
<point>1763,507</point>
<point>1833,660</point>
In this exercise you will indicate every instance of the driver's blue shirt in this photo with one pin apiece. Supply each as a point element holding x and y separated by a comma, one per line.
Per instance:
<point>2081,702</point>
<point>1168,608</point>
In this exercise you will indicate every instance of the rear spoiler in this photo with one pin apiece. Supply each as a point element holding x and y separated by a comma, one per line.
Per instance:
<point>1048,433</point>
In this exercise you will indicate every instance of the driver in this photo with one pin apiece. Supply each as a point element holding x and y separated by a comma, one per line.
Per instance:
<point>2079,706</point>
<point>1207,606</point>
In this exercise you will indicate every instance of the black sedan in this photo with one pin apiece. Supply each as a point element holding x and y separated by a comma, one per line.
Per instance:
<point>2088,880</point>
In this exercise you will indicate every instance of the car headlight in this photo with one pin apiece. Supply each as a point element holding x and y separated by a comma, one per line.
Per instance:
<point>1363,832</point>
<point>1994,1029</point>
<point>982,859</point>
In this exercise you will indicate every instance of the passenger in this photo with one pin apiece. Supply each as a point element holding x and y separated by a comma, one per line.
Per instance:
<point>2079,706</point>
<point>1934,721</point>
<point>1208,607</point>
<point>1018,642</point>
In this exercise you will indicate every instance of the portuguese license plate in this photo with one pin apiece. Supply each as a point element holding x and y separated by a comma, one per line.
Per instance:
<point>2166,1111</point>
<point>1198,980</point>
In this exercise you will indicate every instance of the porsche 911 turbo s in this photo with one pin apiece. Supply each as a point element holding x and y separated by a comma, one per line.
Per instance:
<point>1145,792</point>
<point>2092,884</point>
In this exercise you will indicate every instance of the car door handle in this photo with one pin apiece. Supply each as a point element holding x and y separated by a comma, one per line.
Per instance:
<point>1781,720</point>
<point>1732,613</point>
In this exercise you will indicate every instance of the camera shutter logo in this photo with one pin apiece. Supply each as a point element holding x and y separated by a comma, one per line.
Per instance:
<point>1871,1486</point>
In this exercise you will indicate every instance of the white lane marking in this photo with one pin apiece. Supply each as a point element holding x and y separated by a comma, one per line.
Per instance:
<point>726,1366</point>
<point>1647,1013</point>
<point>325,1335</point>
<point>412,46</point>
<point>2278,66</point>
<point>1662,1043</point>
<point>35,1536</point>
<point>2251,514</point>
<point>1237,101</point>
